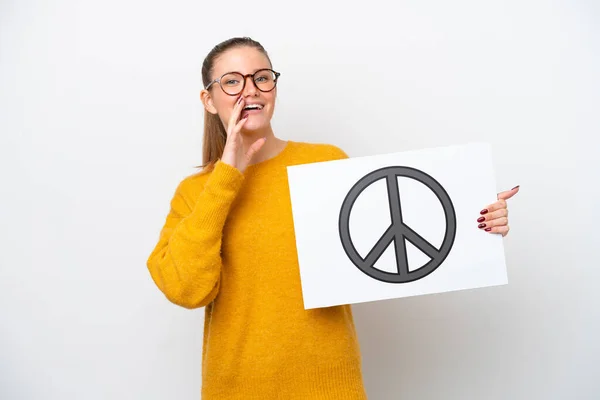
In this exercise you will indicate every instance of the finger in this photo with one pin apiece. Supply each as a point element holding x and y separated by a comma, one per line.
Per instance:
<point>239,125</point>
<point>495,222</point>
<point>503,212</point>
<point>508,193</point>
<point>235,115</point>
<point>256,146</point>
<point>500,204</point>
<point>503,230</point>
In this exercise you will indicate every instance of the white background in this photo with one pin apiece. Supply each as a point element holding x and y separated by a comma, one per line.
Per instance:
<point>100,119</point>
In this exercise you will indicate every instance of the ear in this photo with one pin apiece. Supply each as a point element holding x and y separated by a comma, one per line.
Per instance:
<point>207,101</point>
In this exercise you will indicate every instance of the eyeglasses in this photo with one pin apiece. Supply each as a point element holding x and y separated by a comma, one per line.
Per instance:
<point>233,83</point>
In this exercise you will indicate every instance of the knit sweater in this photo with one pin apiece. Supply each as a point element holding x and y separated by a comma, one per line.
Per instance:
<point>228,244</point>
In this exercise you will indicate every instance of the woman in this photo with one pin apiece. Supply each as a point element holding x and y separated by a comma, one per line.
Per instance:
<point>228,244</point>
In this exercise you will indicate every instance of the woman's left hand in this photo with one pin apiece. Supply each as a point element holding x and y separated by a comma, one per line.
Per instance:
<point>494,218</point>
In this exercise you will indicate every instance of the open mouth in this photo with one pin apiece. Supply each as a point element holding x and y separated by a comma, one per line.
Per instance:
<point>252,109</point>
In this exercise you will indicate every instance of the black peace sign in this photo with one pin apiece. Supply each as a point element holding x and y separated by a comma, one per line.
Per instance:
<point>397,231</point>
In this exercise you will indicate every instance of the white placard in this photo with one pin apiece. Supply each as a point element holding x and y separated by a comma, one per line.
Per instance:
<point>395,225</point>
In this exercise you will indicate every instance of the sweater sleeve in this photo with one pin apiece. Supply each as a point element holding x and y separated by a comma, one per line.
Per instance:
<point>336,153</point>
<point>186,262</point>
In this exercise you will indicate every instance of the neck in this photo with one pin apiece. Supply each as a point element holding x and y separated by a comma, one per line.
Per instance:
<point>270,149</point>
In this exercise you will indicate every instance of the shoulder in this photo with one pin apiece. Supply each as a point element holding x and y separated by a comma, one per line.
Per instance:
<point>317,152</point>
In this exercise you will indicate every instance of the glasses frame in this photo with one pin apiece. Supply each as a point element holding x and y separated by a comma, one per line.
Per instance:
<point>218,80</point>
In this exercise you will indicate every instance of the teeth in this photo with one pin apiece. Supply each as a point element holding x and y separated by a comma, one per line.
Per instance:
<point>253,107</point>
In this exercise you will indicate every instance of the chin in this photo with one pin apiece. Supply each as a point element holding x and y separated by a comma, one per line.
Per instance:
<point>254,126</point>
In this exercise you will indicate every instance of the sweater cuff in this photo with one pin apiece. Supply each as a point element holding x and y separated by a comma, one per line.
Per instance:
<point>220,190</point>
<point>226,176</point>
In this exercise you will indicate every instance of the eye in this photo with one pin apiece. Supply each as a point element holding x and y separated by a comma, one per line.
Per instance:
<point>263,77</point>
<point>231,79</point>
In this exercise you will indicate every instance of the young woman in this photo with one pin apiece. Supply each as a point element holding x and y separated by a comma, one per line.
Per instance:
<point>228,244</point>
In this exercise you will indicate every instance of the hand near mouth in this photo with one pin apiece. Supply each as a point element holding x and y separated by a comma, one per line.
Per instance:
<point>233,153</point>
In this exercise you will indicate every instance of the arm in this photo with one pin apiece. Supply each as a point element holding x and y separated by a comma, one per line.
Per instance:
<point>186,262</point>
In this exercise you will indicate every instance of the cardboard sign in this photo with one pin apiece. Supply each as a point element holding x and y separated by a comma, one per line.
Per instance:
<point>395,225</point>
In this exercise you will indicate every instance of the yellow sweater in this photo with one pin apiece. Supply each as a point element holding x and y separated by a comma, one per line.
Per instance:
<point>228,244</point>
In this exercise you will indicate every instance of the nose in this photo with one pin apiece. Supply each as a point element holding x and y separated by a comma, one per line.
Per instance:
<point>250,88</point>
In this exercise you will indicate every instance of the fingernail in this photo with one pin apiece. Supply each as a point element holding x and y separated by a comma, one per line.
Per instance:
<point>480,219</point>
<point>488,229</point>
<point>481,226</point>
<point>240,99</point>
<point>484,211</point>
<point>515,187</point>
<point>245,116</point>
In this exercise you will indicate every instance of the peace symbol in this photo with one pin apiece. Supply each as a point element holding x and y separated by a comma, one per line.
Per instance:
<point>398,231</point>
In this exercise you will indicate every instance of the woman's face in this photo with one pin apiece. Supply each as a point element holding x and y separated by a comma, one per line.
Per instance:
<point>245,60</point>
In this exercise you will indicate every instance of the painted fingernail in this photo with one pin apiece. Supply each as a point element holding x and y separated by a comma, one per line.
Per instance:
<point>245,116</point>
<point>488,229</point>
<point>515,187</point>
<point>240,99</point>
<point>481,226</point>
<point>484,211</point>
<point>480,219</point>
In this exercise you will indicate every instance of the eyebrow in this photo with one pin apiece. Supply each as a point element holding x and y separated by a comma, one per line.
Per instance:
<point>229,72</point>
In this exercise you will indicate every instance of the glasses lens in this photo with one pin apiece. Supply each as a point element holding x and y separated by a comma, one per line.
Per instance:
<point>232,83</point>
<point>264,80</point>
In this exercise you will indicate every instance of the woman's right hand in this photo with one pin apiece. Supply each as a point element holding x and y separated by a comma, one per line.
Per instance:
<point>234,153</point>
